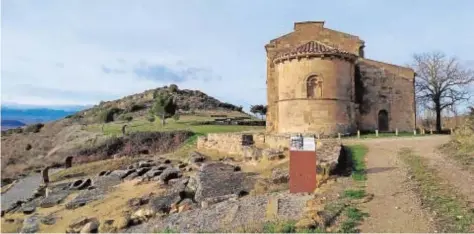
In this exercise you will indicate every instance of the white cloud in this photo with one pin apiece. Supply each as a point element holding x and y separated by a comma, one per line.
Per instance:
<point>61,47</point>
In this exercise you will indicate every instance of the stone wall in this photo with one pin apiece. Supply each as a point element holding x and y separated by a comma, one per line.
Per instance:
<point>328,114</point>
<point>381,86</point>
<point>231,143</point>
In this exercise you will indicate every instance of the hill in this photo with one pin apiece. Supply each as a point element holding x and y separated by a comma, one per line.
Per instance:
<point>9,124</point>
<point>83,133</point>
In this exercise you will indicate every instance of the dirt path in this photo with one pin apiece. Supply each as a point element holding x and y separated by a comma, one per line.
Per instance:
<point>462,180</point>
<point>395,207</point>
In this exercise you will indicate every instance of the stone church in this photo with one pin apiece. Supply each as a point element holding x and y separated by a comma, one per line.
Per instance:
<point>319,81</point>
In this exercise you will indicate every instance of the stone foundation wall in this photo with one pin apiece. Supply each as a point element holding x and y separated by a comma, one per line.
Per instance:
<point>231,143</point>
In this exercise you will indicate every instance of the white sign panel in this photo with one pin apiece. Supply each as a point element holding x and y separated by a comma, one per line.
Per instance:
<point>308,144</point>
<point>302,144</point>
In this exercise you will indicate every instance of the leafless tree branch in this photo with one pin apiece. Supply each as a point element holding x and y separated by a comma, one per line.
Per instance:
<point>441,82</point>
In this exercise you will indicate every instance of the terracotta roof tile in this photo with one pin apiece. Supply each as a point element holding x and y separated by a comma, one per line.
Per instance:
<point>312,47</point>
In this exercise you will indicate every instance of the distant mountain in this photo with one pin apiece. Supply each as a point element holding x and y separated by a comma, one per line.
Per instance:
<point>8,124</point>
<point>36,115</point>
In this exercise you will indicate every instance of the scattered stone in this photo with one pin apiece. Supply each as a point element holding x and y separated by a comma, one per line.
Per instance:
<point>186,204</point>
<point>127,173</point>
<point>142,171</point>
<point>107,226</point>
<point>272,154</point>
<point>53,199</point>
<point>142,214</point>
<point>29,208</point>
<point>79,222</point>
<point>153,172</point>
<point>130,167</point>
<point>30,224</point>
<point>48,220</point>
<point>163,167</point>
<point>104,173</point>
<point>138,201</point>
<point>91,227</point>
<point>163,203</point>
<point>182,165</point>
<point>14,206</point>
<point>280,176</point>
<point>169,173</point>
<point>142,164</point>
<point>167,161</point>
<point>196,157</point>
<point>122,222</point>
<point>80,184</point>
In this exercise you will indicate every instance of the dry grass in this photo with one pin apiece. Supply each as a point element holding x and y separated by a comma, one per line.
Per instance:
<point>452,212</point>
<point>51,145</point>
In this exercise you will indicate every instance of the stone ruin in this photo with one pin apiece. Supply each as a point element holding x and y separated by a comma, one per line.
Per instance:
<point>258,146</point>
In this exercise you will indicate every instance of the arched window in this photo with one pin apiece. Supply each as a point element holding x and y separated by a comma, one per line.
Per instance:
<point>314,87</point>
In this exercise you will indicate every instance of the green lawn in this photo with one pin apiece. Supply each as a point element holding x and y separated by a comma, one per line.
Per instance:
<point>184,123</point>
<point>358,157</point>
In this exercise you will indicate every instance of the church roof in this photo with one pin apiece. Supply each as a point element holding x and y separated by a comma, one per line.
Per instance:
<point>313,48</point>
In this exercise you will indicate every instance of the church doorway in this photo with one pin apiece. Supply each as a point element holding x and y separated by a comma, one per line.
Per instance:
<point>383,120</point>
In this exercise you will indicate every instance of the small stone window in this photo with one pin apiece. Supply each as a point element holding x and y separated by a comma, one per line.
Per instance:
<point>314,87</point>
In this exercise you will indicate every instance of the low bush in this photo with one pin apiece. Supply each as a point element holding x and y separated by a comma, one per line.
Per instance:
<point>108,115</point>
<point>34,128</point>
<point>134,144</point>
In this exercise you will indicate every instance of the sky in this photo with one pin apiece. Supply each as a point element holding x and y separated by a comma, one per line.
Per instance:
<point>81,52</point>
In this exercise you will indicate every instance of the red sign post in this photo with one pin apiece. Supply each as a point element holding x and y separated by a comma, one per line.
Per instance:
<point>302,165</point>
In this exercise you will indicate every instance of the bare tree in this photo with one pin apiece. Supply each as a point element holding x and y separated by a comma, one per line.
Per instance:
<point>441,82</point>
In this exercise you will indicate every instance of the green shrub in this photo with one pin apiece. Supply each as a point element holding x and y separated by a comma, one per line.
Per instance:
<point>107,116</point>
<point>34,128</point>
<point>151,119</point>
